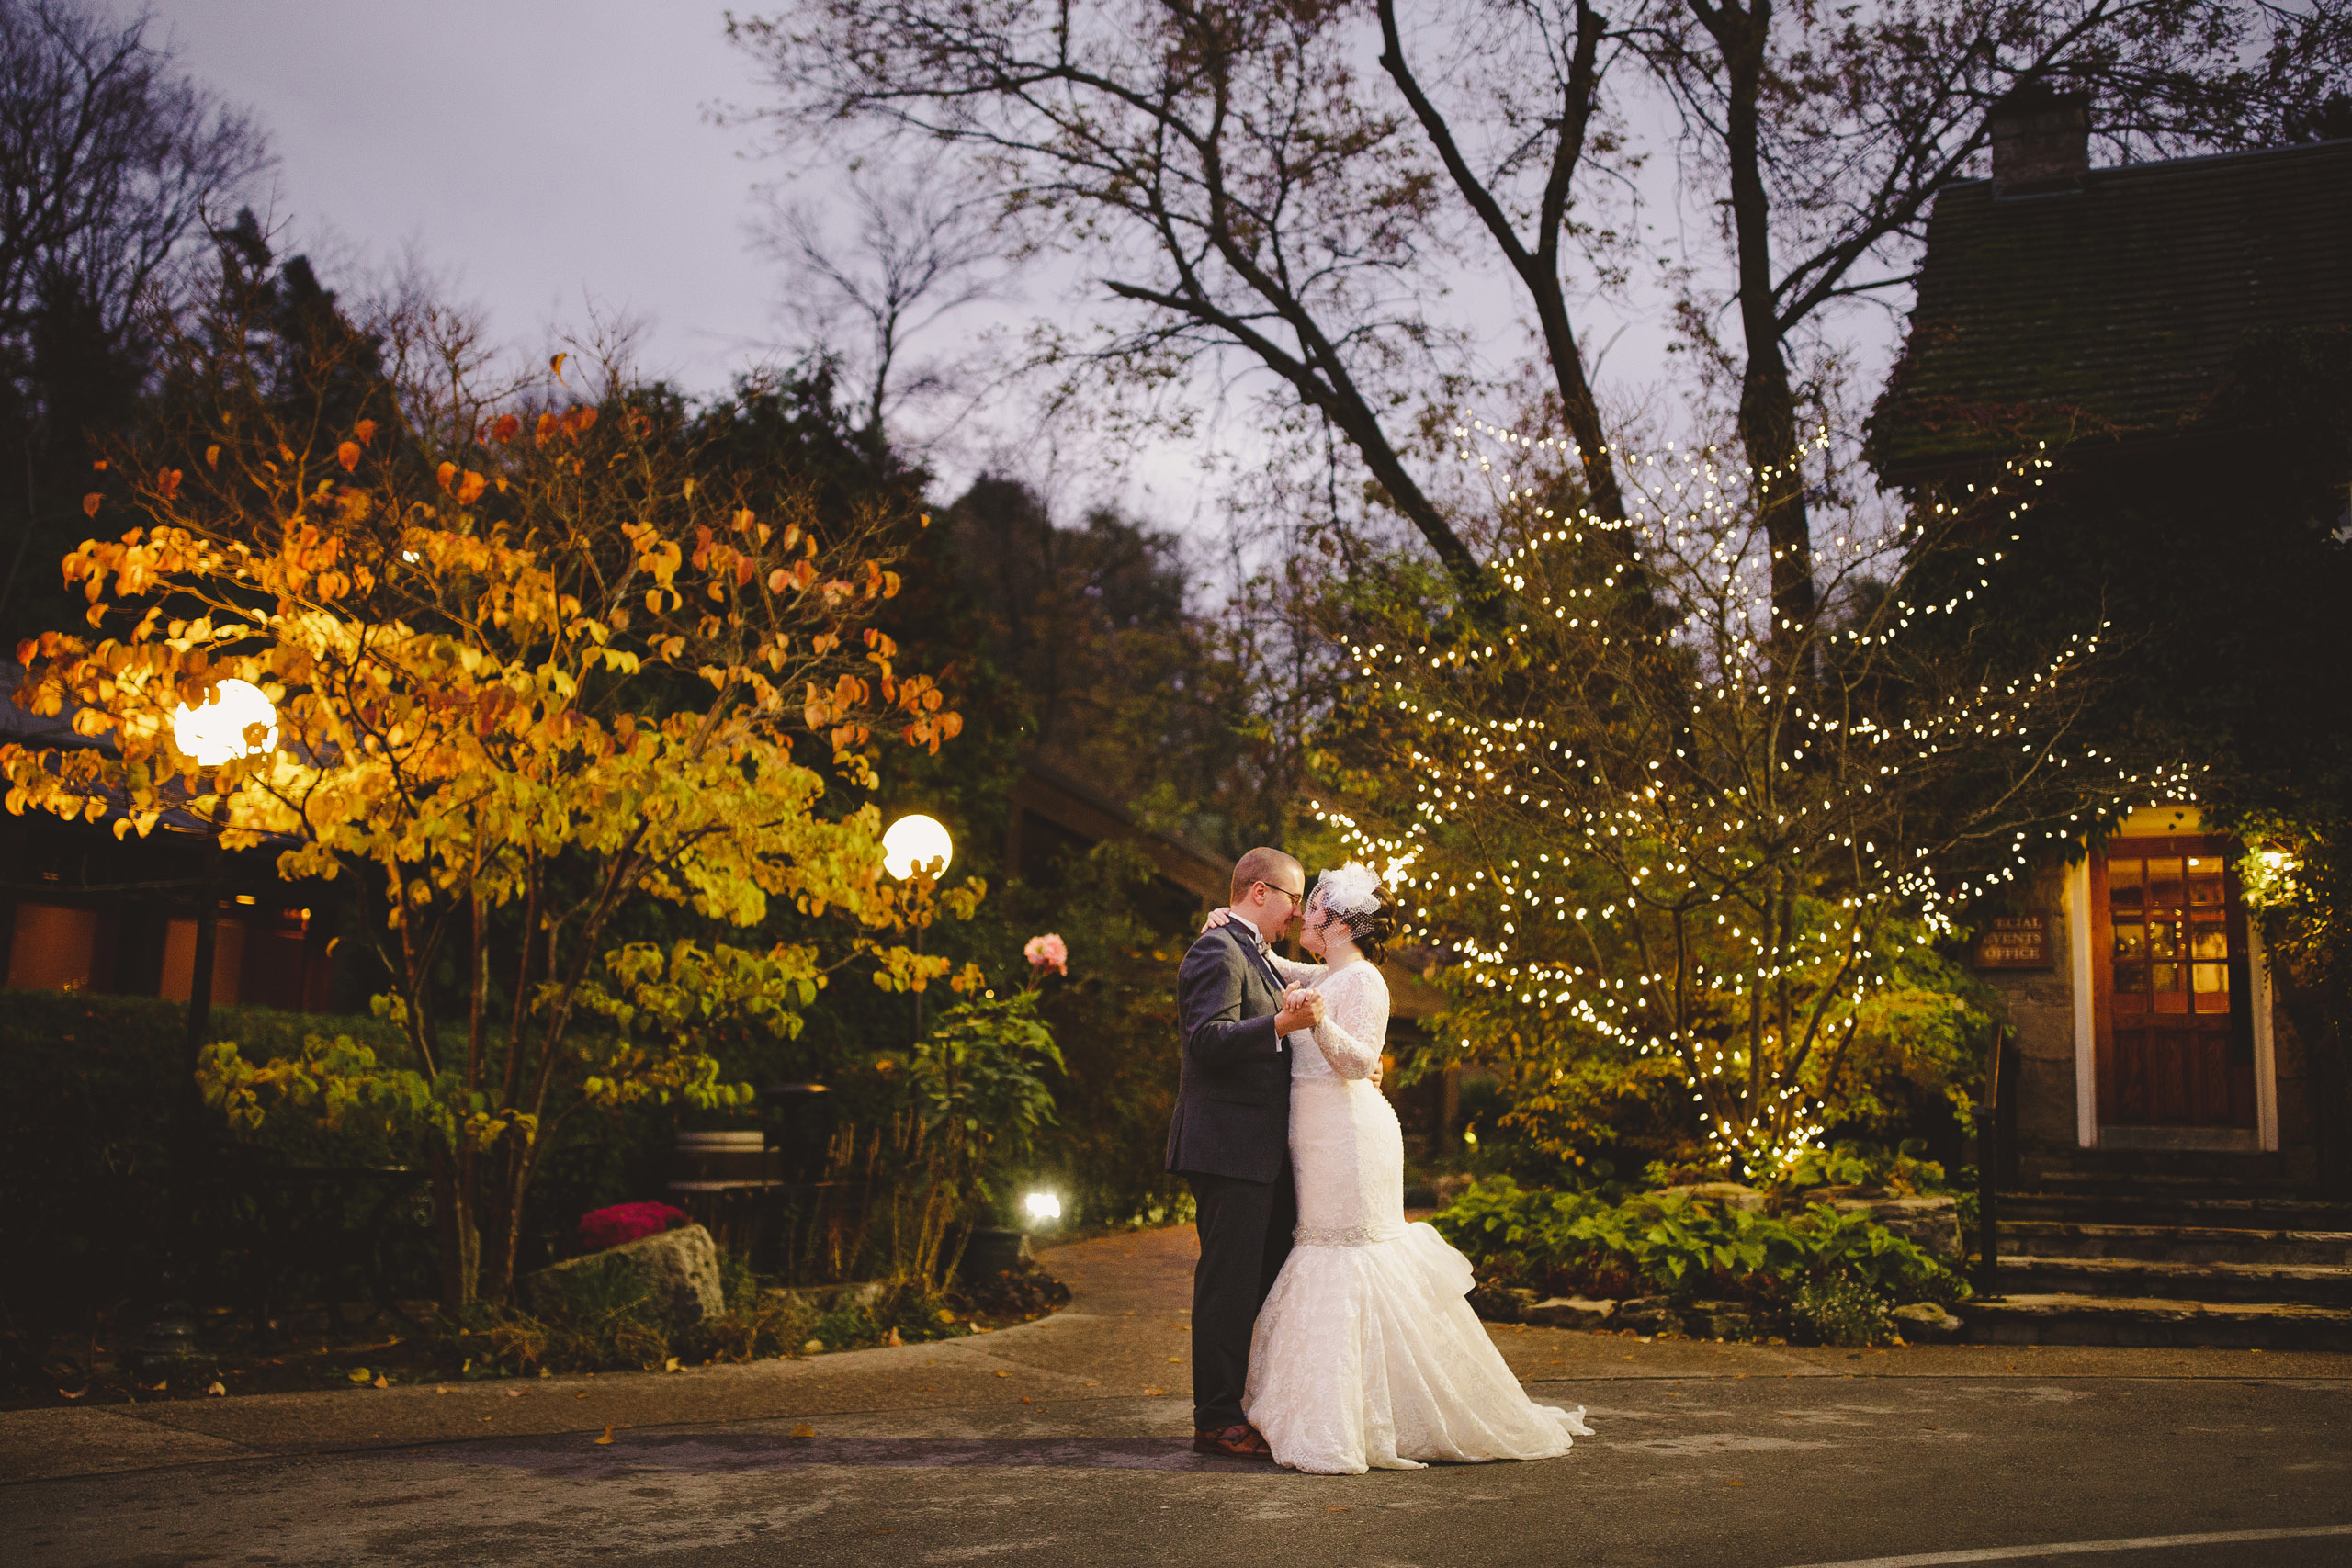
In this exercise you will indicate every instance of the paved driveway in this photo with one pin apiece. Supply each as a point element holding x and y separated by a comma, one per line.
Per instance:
<point>1063,1442</point>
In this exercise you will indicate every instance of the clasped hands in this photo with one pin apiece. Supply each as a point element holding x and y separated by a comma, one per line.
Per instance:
<point>1302,1008</point>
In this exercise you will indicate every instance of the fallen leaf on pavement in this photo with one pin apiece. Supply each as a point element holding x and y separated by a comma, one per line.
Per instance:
<point>1004,1374</point>
<point>579,1396</point>
<point>73,1393</point>
<point>380,1380</point>
<point>1026,1400</point>
<point>669,1365</point>
<point>1151,1393</point>
<point>607,1437</point>
<point>516,1393</point>
<point>804,1431</point>
<point>218,1387</point>
<point>359,1374</point>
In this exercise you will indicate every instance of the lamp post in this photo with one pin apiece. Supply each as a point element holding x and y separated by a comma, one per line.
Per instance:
<point>916,845</point>
<point>215,735</point>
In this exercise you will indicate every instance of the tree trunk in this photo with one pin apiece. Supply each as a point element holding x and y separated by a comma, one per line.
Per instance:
<point>460,1241</point>
<point>1767,421</point>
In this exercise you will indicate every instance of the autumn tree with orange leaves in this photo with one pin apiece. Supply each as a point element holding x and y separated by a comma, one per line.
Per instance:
<point>534,664</point>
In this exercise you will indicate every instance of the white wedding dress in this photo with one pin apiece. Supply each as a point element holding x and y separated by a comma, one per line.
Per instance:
<point>1366,1354</point>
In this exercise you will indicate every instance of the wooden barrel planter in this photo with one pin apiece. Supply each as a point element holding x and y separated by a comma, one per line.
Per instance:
<point>721,1181</point>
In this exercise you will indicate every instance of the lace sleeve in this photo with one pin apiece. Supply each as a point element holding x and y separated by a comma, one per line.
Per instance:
<point>1355,1024</point>
<point>1295,973</point>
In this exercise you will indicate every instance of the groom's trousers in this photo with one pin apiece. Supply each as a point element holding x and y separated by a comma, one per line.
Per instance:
<point>1245,1235</point>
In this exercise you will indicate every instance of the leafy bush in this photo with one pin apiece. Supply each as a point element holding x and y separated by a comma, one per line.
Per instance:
<point>1839,1309</point>
<point>1845,1163</point>
<point>1683,1247</point>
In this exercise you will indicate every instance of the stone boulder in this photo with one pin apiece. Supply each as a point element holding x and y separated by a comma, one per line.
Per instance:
<point>1932,1223</point>
<point>1730,1194</point>
<point>1502,1304</point>
<point>1925,1322</point>
<point>1647,1314</point>
<point>1719,1320</point>
<point>1571,1311</point>
<point>677,1270</point>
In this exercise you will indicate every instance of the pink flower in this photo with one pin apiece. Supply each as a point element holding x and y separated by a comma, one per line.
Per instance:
<point>626,1223</point>
<point>1047,952</point>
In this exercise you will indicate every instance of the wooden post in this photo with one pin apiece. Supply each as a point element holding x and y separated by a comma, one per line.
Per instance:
<point>1987,1117</point>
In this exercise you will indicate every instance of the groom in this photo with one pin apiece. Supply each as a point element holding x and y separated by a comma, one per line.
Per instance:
<point>1230,1138</point>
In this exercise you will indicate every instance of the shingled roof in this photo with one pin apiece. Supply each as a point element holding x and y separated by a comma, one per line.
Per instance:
<point>2114,308</point>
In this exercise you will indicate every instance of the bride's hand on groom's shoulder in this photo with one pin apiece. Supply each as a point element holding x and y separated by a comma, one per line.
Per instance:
<point>1216,918</point>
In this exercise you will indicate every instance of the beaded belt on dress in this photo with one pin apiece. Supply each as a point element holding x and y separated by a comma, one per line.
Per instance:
<point>1344,1235</point>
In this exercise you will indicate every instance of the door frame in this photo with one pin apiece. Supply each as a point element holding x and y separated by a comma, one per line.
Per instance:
<point>2082,976</point>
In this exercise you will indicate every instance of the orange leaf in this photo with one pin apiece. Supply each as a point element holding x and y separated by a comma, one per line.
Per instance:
<point>469,489</point>
<point>447,472</point>
<point>608,1431</point>
<point>167,483</point>
<point>804,1431</point>
<point>347,454</point>
<point>507,428</point>
<point>90,504</point>
<point>555,366</point>
<point>778,581</point>
<point>549,424</point>
<point>212,459</point>
<point>100,465</point>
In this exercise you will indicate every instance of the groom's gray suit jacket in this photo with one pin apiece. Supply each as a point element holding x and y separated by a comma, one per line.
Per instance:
<point>1233,1099</point>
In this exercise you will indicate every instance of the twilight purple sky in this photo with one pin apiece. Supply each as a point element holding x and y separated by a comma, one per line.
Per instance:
<point>545,153</point>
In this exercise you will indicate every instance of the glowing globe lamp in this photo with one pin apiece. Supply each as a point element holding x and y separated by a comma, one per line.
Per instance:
<point>916,844</point>
<point>215,734</point>
<point>1043,1207</point>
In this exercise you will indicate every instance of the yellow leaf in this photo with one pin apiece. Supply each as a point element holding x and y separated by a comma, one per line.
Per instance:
<point>358,1375</point>
<point>608,1431</point>
<point>1153,1392</point>
<point>669,1365</point>
<point>804,1431</point>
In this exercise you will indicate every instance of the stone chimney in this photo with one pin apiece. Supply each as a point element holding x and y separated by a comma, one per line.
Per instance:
<point>2041,141</point>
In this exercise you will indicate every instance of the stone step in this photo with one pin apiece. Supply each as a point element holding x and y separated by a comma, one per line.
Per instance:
<point>2174,1167</point>
<point>2062,1319</point>
<point>2197,1206</point>
<point>2179,1244</point>
<point>2127,1277</point>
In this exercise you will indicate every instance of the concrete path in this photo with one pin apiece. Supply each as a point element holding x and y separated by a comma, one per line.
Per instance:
<point>1063,1441</point>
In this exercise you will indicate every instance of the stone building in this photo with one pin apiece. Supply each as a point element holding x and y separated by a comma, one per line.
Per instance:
<point>2164,1124</point>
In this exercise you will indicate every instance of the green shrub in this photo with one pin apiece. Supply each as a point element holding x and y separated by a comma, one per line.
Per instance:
<point>1682,1246</point>
<point>1839,1309</point>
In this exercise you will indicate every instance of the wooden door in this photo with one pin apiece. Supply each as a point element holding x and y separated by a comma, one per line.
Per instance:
<point>2174,1017</point>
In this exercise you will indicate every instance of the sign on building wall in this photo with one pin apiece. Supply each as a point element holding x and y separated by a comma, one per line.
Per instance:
<point>2014,941</point>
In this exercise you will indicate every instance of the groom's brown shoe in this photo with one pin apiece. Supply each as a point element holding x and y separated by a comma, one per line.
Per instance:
<point>1240,1440</point>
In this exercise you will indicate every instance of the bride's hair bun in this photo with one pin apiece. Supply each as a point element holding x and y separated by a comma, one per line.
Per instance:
<point>1357,898</point>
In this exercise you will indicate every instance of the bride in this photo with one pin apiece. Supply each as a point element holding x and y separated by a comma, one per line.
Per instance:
<point>1365,1354</point>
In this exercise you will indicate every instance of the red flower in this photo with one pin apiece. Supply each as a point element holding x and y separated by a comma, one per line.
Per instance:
<point>626,1223</point>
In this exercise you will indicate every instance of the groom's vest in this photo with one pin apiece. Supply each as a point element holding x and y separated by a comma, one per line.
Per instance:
<point>1233,1098</point>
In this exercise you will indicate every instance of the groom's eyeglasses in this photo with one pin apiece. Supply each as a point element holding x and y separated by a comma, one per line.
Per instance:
<point>1297,900</point>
